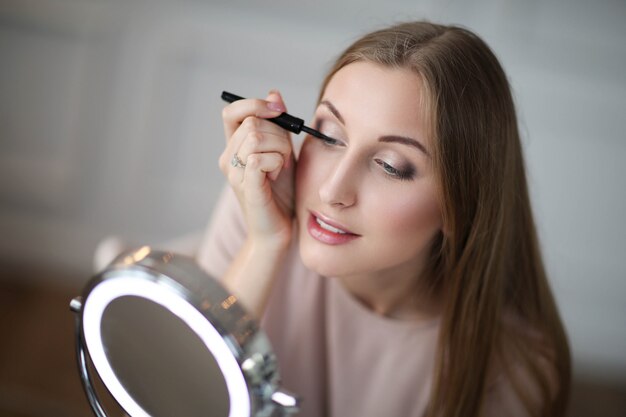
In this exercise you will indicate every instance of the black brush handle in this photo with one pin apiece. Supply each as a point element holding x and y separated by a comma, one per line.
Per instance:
<point>285,120</point>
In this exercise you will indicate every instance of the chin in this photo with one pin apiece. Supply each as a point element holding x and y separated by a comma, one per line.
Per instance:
<point>323,264</point>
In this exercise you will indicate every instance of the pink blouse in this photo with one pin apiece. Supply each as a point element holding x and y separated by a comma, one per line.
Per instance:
<point>343,359</point>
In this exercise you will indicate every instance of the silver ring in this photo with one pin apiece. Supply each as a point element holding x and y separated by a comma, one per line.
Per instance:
<point>237,162</point>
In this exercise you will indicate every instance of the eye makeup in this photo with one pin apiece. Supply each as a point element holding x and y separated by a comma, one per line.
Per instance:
<point>390,166</point>
<point>405,173</point>
<point>322,126</point>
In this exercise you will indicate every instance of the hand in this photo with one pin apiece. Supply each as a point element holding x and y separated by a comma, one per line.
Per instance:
<point>265,185</point>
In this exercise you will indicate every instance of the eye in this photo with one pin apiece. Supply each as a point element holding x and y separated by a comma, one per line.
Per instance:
<point>328,141</point>
<point>407,173</point>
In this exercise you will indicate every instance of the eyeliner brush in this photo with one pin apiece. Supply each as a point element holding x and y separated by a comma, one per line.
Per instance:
<point>285,120</point>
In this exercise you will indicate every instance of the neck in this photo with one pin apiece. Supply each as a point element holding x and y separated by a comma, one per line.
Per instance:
<point>402,295</point>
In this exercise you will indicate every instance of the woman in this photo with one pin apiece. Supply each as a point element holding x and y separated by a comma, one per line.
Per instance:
<point>396,268</point>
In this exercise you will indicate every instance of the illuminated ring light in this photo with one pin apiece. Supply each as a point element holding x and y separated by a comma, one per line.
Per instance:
<point>134,283</point>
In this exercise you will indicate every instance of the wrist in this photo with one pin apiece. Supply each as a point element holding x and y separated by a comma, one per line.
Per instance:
<point>274,239</point>
<point>271,246</point>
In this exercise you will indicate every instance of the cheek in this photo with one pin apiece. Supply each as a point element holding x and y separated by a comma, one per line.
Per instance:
<point>302,173</point>
<point>414,215</point>
<point>309,171</point>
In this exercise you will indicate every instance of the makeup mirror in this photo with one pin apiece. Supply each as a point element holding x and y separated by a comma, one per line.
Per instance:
<point>166,339</point>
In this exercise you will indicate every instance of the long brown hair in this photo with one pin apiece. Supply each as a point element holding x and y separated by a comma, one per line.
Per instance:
<point>488,259</point>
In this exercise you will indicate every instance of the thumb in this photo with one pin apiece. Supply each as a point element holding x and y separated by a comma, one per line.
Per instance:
<point>274,96</point>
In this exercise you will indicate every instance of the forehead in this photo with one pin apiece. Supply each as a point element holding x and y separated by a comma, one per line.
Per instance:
<point>381,99</point>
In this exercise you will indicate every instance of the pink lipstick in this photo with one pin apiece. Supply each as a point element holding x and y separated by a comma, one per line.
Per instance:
<point>328,232</point>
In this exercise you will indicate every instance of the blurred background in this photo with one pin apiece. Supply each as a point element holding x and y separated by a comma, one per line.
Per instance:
<point>110,125</point>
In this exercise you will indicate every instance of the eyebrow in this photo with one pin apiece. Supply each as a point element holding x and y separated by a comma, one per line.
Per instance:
<point>387,138</point>
<point>333,110</point>
<point>405,141</point>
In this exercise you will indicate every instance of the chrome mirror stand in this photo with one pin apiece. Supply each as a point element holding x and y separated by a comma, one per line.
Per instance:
<point>76,306</point>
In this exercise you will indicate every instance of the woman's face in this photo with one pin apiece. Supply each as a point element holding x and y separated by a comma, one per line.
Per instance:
<point>367,203</point>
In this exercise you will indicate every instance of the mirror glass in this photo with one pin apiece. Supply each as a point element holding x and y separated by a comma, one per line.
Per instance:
<point>160,361</point>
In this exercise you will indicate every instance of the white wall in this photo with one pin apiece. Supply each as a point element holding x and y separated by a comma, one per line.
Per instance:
<point>110,123</point>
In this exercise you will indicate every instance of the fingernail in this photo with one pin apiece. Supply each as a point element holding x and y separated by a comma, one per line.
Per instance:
<point>274,106</point>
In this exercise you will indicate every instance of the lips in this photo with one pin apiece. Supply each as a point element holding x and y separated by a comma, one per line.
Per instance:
<point>328,227</point>
<point>327,231</point>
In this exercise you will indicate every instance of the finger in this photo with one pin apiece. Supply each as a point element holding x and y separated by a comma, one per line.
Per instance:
<point>255,135</point>
<point>248,128</point>
<point>255,124</point>
<point>260,168</point>
<point>234,174</point>
<point>274,96</point>
<point>265,142</point>
<point>255,142</point>
<point>235,113</point>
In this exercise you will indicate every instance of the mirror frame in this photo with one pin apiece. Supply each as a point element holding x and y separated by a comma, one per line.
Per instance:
<point>176,282</point>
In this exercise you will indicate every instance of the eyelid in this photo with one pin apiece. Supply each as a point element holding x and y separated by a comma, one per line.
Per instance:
<point>404,167</point>
<point>407,172</point>
<point>331,110</point>
<point>318,124</point>
<point>323,119</point>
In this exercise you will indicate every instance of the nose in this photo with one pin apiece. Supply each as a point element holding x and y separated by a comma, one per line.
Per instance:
<point>339,188</point>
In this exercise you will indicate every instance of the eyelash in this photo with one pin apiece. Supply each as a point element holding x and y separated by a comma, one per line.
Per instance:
<point>330,141</point>
<point>403,175</point>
